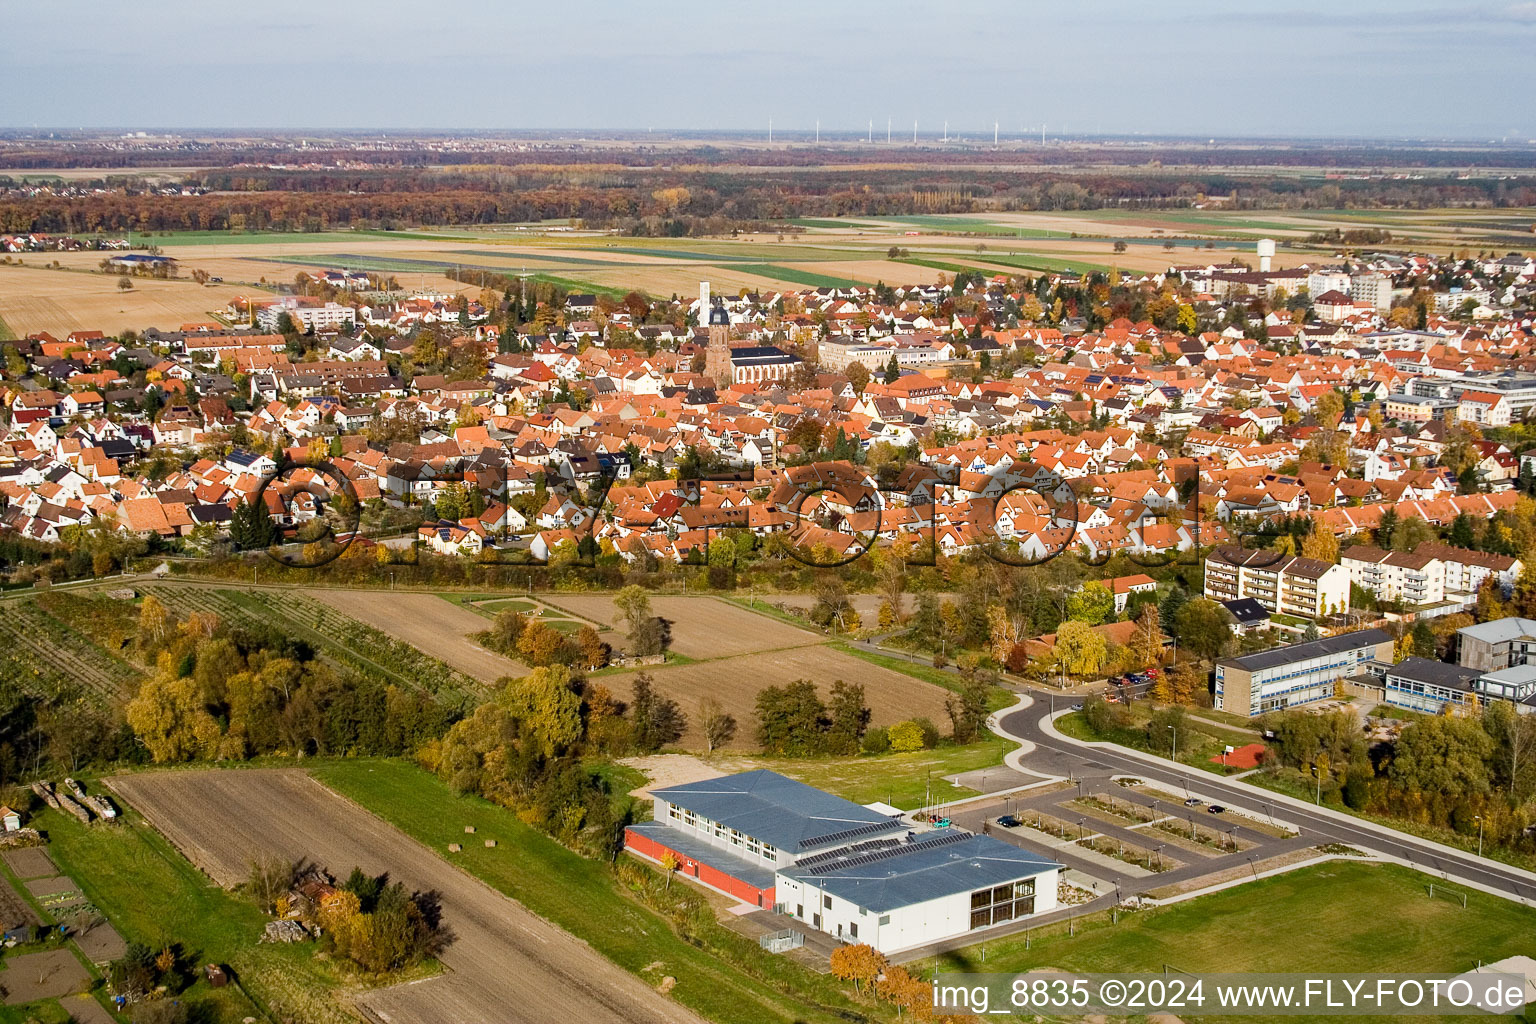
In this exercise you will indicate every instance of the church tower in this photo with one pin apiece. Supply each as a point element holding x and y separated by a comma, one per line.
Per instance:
<point>717,354</point>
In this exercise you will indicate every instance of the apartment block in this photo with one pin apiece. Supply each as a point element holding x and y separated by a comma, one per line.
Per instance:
<point>1288,584</point>
<point>1412,578</point>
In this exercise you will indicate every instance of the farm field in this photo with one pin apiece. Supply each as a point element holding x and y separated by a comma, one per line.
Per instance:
<point>34,299</point>
<point>734,681</point>
<point>1355,918</point>
<point>427,622</point>
<point>333,633</point>
<point>702,627</point>
<point>47,657</point>
<point>504,963</point>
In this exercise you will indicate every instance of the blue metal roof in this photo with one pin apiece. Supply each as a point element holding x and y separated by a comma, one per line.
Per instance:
<point>755,873</point>
<point>774,809</point>
<point>884,875</point>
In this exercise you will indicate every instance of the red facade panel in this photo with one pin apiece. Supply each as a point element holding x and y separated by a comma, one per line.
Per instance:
<point>693,868</point>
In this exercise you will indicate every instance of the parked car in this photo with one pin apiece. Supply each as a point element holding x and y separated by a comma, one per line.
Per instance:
<point>1009,821</point>
<point>1193,801</point>
<point>1215,809</point>
<point>1077,707</point>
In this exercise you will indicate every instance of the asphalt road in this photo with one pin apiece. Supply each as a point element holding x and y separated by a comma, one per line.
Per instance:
<point>1053,756</point>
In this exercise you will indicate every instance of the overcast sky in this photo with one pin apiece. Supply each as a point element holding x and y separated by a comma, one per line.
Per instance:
<point>1458,68</point>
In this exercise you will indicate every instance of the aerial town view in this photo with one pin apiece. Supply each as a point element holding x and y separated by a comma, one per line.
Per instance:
<point>709,528</point>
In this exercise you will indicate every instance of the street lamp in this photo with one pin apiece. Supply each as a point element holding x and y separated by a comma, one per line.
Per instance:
<point>1479,835</point>
<point>1175,754</point>
<point>1319,776</point>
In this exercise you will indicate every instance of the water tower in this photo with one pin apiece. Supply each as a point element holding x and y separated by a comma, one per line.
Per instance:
<point>1266,248</point>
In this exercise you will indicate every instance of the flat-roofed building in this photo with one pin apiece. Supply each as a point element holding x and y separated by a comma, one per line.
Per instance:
<point>1502,643</point>
<point>858,873</point>
<point>1298,673</point>
<point>1433,687</point>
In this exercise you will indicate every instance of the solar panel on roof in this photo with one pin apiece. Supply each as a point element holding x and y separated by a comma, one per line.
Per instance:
<point>895,851</point>
<point>851,833</point>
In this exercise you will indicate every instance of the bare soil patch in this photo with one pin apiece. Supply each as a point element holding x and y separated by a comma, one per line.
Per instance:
<point>428,623</point>
<point>14,909</point>
<point>33,976</point>
<point>735,682</point>
<point>101,944</point>
<point>504,964</point>
<point>30,862</point>
<point>85,1010</point>
<point>702,627</point>
<point>663,770</point>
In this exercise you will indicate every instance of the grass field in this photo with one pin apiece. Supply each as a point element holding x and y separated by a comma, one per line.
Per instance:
<point>1336,917</point>
<point>154,896</point>
<point>582,897</point>
<point>6,334</point>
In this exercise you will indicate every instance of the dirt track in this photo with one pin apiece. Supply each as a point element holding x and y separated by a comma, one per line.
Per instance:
<point>428,623</point>
<point>504,965</point>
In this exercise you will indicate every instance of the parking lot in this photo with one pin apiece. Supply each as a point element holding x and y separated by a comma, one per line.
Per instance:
<point>1135,839</point>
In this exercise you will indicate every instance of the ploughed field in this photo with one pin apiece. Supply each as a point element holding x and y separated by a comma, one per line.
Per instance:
<point>702,627</point>
<point>503,964</point>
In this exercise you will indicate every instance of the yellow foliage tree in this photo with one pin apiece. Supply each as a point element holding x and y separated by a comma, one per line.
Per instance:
<point>860,964</point>
<point>1321,544</point>
<point>1080,650</point>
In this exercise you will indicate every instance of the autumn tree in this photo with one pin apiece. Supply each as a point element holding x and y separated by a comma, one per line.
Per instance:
<point>1093,603</point>
<point>1321,544</point>
<point>155,623</point>
<point>1147,641</point>
<point>719,728</point>
<point>169,717</point>
<point>1203,627</point>
<point>656,720</point>
<point>860,964</point>
<point>547,709</point>
<point>1079,650</point>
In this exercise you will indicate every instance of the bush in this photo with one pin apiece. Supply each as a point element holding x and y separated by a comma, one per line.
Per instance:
<point>877,740</point>
<point>904,737</point>
<point>1357,792</point>
<point>930,732</point>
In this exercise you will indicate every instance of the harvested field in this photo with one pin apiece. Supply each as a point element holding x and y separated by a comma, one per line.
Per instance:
<point>735,682</point>
<point>35,976</point>
<point>504,963</point>
<point>428,623</point>
<point>702,627</point>
<point>33,298</point>
<point>30,862</point>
